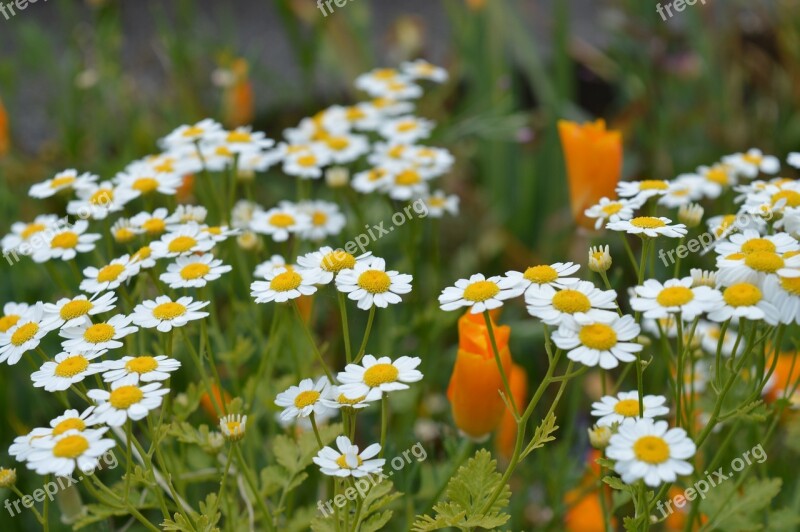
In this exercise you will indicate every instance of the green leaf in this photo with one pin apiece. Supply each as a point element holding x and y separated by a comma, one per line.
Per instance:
<point>467,493</point>
<point>542,434</point>
<point>734,510</point>
<point>783,519</point>
<point>617,484</point>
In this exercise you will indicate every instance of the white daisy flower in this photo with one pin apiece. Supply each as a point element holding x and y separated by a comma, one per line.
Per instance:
<point>242,140</point>
<point>123,231</point>
<point>611,211</point>
<point>283,284</point>
<point>479,293</point>
<point>344,148</point>
<point>389,106</point>
<point>186,240</point>
<point>649,226</point>
<point>268,266</point>
<point>185,214</point>
<point>397,90</point>
<point>361,116</point>
<point>145,368</point>
<point>421,69</point>
<point>658,300</point>
<point>371,180</point>
<point>794,159</point>
<point>71,420</point>
<point>745,300</point>
<point>750,163</point>
<point>280,222</point>
<point>143,258</point>
<point>24,335</point>
<point>66,369</point>
<point>220,233</point>
<point>374,376</point>
<point>749,241</point>
<point>163,313</point>
<point>371,285</point>
<point>217,157</point>
<point>242,213</point>
<point>143,181</point>
<point>12,313</point>
<point>555,275</point>
<point>327,262</point>
<point>94,337</point>
<point>406,183</point>
<point>325,219</point>
<point>73,449</point>
<point>647,450</point>
<point>406,129</point>
<point>65,243</point>
<point>642,190</point>
<point>334,398</point>
<point>348,461</point>
<point>595,343</point>
<point>624,408</point>
<point>784,294</point>
<point>64,180</point>
<point>233,426</point>
<point>373,80</point>
<point>193,271</point>
<point>304,399</point>
<point>34,234</point>
<point>153,224</point>
<point>110,276</point>
<point>71,312</point>
<point>306,164</point>
<point>433,161</point>
<point>188,135</point>
<point>97,200</point>
<point>682,191</point>
<point>126,400</point>
<point>579,301</point>
<point>756,266</point>
<point>438,203</point>
<point>708,182</point>
<point>390,154</point>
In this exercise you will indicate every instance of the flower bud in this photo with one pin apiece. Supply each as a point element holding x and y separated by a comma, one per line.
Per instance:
<point>599,259</point>
<point>233,426</point>
<point>8,477</point>
<point>690,215</point>
<point>599,437</point>
<point>337,176</point>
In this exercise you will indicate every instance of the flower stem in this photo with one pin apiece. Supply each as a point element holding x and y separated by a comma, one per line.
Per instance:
<point>488,319</point>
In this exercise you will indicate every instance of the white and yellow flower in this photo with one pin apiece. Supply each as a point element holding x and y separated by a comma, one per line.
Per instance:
<point>421,69</point>
<point>12,313</point>
<point>328,262</point>
<point>372,378</point>
<point>479,293</point>
<point>66,242</point>
<point>233,426</point>
<point>438,204</point>
<point>143,181</point>
<point>649,226</point>
<point>752,162</point>
<point>152,224</point>
<point>307,163</point>
<point>607,210</point>
<point>110,276</point>
<point>190,134</point>
<point>348,461</point>
<point>623,409</point>
<point>555,275</point>
<point>67,369</point>
<point>33,234</point>
<point>71,312</point>
<point>126,400</point>
<point>164,314</point>
<point>24,335</point>
<point>97,200</point>
<point>642,190</point>
<point>675,296</point>
<point>193,271</point>
<point>145,368</point>
<point>64,180</point>
<point>185,240</point>
<point>325,219</point>
<point>73,449</point>
<point>370,284</point>
<point>745,300</point>
<point>406,129</point>
<point>97,336</point>
<point>283,284</point>
<point>280,222</point>
<point>343,148</point>
<point>603,343</point>
<point>335,399</point>
<point>185,214</point>
<point>304,399</point>
<point>578,301</point>
<point>70,420</point>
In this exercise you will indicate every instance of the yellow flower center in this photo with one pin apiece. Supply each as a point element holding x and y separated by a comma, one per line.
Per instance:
<point>717,175</point>
<point>380,374</point>
<point>758,244</point>
<point>75,309</point>
<point>65,240</point>
<point>71,366</point>
<point>99,333</point>
<point>342,462</point>
<point>598,336</point>
<point>337,143</point>
<point>32,229</point>
<point>406,126</point>
<point>407,178</point>
<point>110,273</point>
<point>319,218</point>
<point>182,244</point>
<point>764,261</point>
<point>62,181</point>
<point>124,234</point>
<point>166,167</point>
<point>24,333</point>
<point>233,426</point>
<point>71,423</point>
<point>571,301</point>
<point>142,254</point>
<point>307,161</point>
<point>192,131</point>
<point>123,397</point>
<point>6,322</point>
<point>651,449</point>
<point>71,447</point>
<point>306,398</point>
<point>541,274</point>
<point>395,152</point>
<point>792,198</point>
<point>239,136</point>
<point>735,256</point>
<point>376,174</point>
<point>752,159</point>
<point>742,295</point>
<point>169,310</point>
<point>627,407</point>
<point>354,113</point>
<point>145,185</point>
<point>288,280</point>
<point>374,281</point>
<point>154,226</point>
<point>281,220</point>
<point>385,73</point>
<point>481,291</point>
<point>344,400</point>
<point>674,296</point>
<point>647,222</point>
<point>611,208</point>
<point>791,285</point>
<point>194,270</point>
<point>143,364</point>
<point>336,261</point>
<point>652,184</point>
<point>102,197</point>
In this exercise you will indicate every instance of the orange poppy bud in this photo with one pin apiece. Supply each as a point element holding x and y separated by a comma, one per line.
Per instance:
<point>185,191</point>
<point>593,156</point>
<point>476,5</point>
<point>473,391</point>
<point>305,304</point>
<point>584,513</point>
<point>5,138</point>
<point>507,435</point>
<point>785,376</point>
<point>238,100</point>
<point>210,406</point>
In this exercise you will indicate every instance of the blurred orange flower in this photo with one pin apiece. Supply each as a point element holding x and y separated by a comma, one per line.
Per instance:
<point>5,139</point>
<point>238,105</point>
<point>209,406</point>
<point>593,156</point>
<point>476,405</point>
<point>784,379</point>
<point>186,190</point>
<point>507,435</point>
<point>584,513</point>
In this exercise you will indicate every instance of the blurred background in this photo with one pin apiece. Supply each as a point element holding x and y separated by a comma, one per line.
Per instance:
<point>93,84</point>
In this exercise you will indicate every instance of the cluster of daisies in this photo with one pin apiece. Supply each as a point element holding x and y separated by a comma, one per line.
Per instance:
<point>756,280</point>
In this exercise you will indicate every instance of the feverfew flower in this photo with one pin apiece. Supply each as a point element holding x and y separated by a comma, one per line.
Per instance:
<point>374,376</point>
<point>649,226</point>
<point>611,211</point>
<point>70,420</point>
<point>233,426</point>
<point>145,368</point>
<point>647,450</point>
<point>406,129</point>
<point>438,203</point>
<point>110,276</point>
<point>421,69</point>
<point>65,243</point>
<point>479,293</point>
<point>347,461</point>
<point>371,285</point>
<point>96,201</point>
<point>327,262</point>
<point>94,337</point>
<point>62,454</point>
<point>624,408</point>
<point>34,234</point>
<point>325,219</point>
<point>280,222</point>
<point>152,224</point>
<point>642,190</point>
<point>283,284</point>
<point>66,369</point>
<point>64,180</point>
<point>579,301</point>
<point>163,313</point>
<point>745,300</point>
<point>25,335</point>
<point>675,296</point>
<point>600,343</point>
<point>71,312</point>
<point>555,275</point>
<point>190,134</point>
<point>304,399</point>
<point>126,400</point>
<point>193,271</point>
<point>186,240</point>
<point>752,162</point>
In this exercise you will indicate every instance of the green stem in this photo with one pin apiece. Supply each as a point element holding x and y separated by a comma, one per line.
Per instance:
<point>488,319</point>
<point>311,341</point>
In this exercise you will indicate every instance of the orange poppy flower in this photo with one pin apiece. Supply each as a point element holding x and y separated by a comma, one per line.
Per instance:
<point>473,390</point>
<point>305,304</point>
<point>584,513</point>
<point>209,406</point>
<point>507,435</point>
<point>5,137</point>
<point>593,156</point>
<point>238,100</point>
<point>785,376</point>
